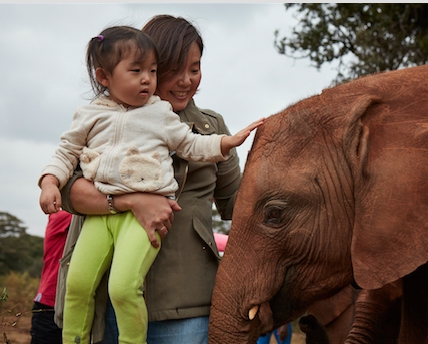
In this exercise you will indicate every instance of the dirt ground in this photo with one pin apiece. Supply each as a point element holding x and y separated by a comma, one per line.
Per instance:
<point>20,333</point>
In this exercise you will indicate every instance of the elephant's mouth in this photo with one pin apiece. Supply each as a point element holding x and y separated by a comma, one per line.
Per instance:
<point>272,313</point>
<point>264,314</point>
<point>265,309</point>
<point>284,305</point>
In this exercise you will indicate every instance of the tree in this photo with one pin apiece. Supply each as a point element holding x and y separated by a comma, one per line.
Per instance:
<point>19,251</point>
<point>363,38</point>
<point>10,226</point>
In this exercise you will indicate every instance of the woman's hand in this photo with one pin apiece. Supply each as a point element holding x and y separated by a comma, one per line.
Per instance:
<point>153,212</point>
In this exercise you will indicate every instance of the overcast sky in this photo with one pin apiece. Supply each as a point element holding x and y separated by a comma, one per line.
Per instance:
<point>43,77</point>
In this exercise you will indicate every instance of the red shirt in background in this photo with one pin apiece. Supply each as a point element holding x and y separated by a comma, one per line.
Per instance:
<point>54,241</point>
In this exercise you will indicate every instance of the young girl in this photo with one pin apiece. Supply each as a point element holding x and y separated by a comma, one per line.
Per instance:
<point>124,139</point>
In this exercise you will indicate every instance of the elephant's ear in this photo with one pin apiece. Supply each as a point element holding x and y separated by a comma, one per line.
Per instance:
<point>389,158</point>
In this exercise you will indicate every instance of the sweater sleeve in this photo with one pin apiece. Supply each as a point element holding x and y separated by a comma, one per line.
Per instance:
<point>189,145</point>
<point>66,156</point>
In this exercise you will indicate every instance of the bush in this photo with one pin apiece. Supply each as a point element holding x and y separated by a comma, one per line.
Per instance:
<point>17,293</point>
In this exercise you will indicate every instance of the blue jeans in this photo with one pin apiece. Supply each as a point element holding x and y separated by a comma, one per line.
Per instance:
<point>182,331</point>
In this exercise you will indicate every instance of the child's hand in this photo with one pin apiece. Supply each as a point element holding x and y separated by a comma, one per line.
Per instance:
<point>229,142</point>
<point>50,198</point>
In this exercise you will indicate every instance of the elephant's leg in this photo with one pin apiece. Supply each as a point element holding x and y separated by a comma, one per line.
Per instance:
<point>414,323</point>
<point>340,327</point>
<point>377,315</point>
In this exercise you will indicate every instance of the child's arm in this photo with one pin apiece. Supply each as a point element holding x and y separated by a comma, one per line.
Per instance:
<point>229,142</point>
<point>50,197</point>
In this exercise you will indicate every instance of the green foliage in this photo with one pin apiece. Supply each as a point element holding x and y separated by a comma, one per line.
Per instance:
<point>4,295</point>
<point>10,226</point>
<point>364,38</point>
<point>19,251</point>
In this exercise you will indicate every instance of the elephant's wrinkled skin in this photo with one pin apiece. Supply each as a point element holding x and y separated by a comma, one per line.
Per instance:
<point>335,189</point>
<point>375,319</point>
<point>335,315</point>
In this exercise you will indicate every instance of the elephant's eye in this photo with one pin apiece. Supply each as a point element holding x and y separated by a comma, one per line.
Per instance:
<point>275,213</point>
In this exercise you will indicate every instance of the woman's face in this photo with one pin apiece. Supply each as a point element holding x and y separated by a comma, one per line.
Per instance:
<point>180,88</point>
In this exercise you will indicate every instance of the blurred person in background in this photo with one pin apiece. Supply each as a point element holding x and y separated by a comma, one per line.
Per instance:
<point>43,328</point>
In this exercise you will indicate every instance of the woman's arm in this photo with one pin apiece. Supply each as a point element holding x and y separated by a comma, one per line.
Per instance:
<point>152,211</point>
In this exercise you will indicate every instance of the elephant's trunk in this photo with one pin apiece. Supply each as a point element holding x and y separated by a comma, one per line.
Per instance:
<point>229,334</point>
<point>233,318</point>
<point>240,308</point>
<point>229,328</point>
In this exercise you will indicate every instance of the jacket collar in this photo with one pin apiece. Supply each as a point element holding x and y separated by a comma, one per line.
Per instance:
<point>196,119</point>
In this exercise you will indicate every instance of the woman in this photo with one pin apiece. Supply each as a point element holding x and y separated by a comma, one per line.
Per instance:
<point>179,284</point>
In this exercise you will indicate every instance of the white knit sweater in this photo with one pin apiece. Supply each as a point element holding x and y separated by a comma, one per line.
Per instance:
<point>126,150</point>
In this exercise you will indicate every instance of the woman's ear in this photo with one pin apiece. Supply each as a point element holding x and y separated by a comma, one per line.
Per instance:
<point>101,76</point>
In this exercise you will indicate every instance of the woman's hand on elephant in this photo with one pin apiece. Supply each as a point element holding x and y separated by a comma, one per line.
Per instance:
<point>153,212</point>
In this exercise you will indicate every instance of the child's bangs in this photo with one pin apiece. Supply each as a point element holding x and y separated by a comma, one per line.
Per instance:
<point>140,49</point>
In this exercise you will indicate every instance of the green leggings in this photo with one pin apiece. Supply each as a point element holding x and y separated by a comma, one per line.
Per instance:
<point>116,241</point>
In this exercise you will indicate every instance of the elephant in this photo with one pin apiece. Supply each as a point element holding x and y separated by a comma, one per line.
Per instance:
<point>375,319</point>
<point>331,318</point>
<point>334,193</point>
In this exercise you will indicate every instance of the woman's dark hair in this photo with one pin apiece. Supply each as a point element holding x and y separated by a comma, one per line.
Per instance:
<point>173,37</point>
<point>108,48</point>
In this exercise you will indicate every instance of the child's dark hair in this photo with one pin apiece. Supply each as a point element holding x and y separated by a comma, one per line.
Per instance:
<point>108,48</point>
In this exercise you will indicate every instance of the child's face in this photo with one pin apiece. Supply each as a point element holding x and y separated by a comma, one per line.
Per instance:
<point>133,82</point>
